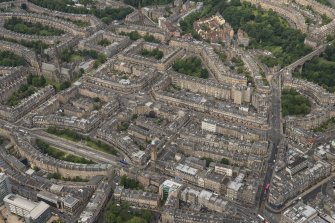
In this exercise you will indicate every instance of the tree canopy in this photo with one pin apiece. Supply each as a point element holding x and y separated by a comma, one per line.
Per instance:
<point>190,66</point>
<point>37,46</point>
<point>141,3</point>
<point>325,2</point>
<point>76,137</point>
<point>293,103</point>
<point>107,14</point>
<point>320,70</point>
<point>33,83</point>
<point>122,213</point>
<point>9,59</point>
<point>266,29</point>
<point>20,26</point>
<point>59,154</point>
<point>134,35</point>
<point>155,53</point>
<point>70,55</point>
<point>129,183</point>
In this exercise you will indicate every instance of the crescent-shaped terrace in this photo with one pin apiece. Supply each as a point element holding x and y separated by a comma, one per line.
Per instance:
<point>23,143</point>
<point>20,50</point>
<point>47,21</point>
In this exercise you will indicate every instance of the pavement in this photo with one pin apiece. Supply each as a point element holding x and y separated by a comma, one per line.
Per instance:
<point>275,133</point>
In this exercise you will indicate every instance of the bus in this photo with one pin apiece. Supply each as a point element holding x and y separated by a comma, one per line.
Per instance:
<point>261,217</point>
<point>123,162</point>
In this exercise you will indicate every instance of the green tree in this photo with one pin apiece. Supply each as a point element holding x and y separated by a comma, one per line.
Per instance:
<point>294,103</point>
<point>320,70</point>
<point>9,59</point>
<point>129,183</point>
<point>106,14</point>
<point>224,161</point>
<point>136,220</point>
<point>190,66</point>
<point>20,26</point>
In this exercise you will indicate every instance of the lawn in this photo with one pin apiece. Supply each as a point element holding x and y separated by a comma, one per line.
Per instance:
<point>76,137</point>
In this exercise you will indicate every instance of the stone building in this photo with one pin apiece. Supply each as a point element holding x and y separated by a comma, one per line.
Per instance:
<point>117,43</point>
<point>238,94</point>
<point>139,198</point>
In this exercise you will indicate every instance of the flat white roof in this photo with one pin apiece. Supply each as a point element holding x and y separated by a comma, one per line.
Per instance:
<point>30,171</point>
<point>170,183</point>
<point>39,210</point>
<point>55,187</point>
<point>2,176</point>
<point>187,169</point>
<point>21,202</point>
<point>205,194</point>
<point>234,185</point>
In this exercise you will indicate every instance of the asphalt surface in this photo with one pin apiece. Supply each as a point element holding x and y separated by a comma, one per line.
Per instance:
<point>275,133</point>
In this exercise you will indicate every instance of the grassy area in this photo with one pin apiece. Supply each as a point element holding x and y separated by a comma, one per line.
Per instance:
<point>76,137</point>
<point>71,55</point>
<point>150,38</point>
<point>265,81</point>
<point>130,183</point>
<point>20,26</point>
<point>191,66</point>
<point>59,154</point>
<point>155,53</point>
<point>57,176</point>
<point>80,23</point>
<point>123,126</point>
<point>158,121</point>
<point>325,2</point>
<point>9,59</point>
<point>106,14</point>
<point>325,125</point>
<point>222,55</point>
<point>141,3</point>
<point>320,70</point>
<point>104,42</point>
<point>115,213</point>
<point>59,86</point>
<point>325,19</point>
<point>224,161</point>
<point>134,35</point>
<point>294,104</point>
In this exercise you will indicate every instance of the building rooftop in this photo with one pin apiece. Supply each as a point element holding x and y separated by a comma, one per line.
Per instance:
<point>39,210</point>
<point>34,209</point>
<point>234,185</point>
<point>170,183</point>
<point>20,202</point>
<point>298,161</point>
<point>300,212</point>
<point>187,169</point>
<point>70,201</point>
<point>2,176</point>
